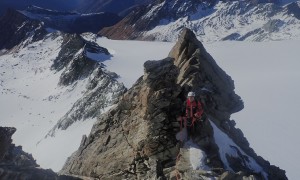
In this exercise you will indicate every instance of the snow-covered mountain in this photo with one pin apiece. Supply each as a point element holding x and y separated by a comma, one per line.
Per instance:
<point>211,21</point>
<point>72,22</point>
<point>51,82</point>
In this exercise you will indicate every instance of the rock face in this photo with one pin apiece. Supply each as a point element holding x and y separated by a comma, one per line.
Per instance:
<point>16,164</point>
<point>138,138</point>
<point>15,28</point>
<point>73,58</point>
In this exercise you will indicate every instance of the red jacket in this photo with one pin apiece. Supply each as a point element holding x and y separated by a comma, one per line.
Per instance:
<point>193,109</point>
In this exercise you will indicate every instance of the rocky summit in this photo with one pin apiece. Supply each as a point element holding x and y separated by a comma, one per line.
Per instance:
<point>141,136</point>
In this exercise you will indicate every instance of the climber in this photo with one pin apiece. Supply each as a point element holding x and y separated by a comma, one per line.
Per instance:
<point>193,112</point>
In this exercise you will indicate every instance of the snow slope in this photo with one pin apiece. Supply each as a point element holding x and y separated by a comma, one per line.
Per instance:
<point>228,148</point>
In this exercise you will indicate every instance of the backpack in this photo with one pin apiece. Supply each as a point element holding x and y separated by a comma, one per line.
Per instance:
<point>193,109</point>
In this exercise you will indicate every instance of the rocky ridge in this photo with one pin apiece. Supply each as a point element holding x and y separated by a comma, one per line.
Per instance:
<point>81,59</point>
<point>137,138</point>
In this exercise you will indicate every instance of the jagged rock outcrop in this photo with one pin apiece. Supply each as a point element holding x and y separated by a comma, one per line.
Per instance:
<point>15,164</point>
<point>73,56</point>
<point>15,28</point>
<point>200,71</point>
<point>138,138</point>
<point>80,59</point>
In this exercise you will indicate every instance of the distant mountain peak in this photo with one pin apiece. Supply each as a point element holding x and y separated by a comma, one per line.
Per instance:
<point>211,21</point>
<point>62,72</point>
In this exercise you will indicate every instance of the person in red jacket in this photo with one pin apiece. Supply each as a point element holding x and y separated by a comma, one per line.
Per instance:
<point>193,113</point>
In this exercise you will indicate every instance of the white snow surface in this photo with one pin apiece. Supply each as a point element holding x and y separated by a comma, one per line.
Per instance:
<point>267,78</point>
<point>53,152</point>
<point>228,148</point>
<point>197,156</point>
<point>128,57</point>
